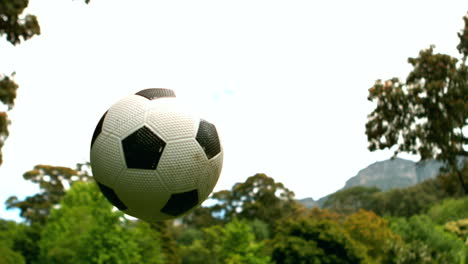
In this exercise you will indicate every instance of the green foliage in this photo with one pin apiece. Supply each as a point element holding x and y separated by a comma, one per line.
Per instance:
<point>260,229</point>
<point>148,241</point>
<point>427,242</point>
<point>351,200</point>
<point>449,210</point>
<point>259,197</point>
<point>186,236</point>
<point>52,181</point>
<point>426,114</point>
<point>450,181</point>
<point>84,229</point>
<point>463,35</point>
<point>168,242</point>
<point>8,233</point>
<point>373,232</point>
<point>7,97</point>
<point>234,243</point>
<point>8,256</point>
<point>307,240</point>
<point>25,241</point>
<point>14,26</point>
<point>459,228</point>
<point>205,250</point>
<point>409,201</point>
<point>20,239</point>
<point>202,217</point>
<point>416,199</point>
<point>238,244</point>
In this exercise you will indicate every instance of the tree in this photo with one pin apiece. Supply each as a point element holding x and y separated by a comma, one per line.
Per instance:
<point>8,234</point>
<point>206,250</point>
<point>16,27</point>
<point>352,199</point>
<point>307,240</point>
<point>233,244</point>
<point>259,197</point>
<point>408,201</point>
<point>202,217</point>
<point>426,114</point>
<point>239,246</point>
<point>168,244</point>
<point>7,97</point>
<point>459,228</point>
<point>373,232</point>
<point>84,229</point>
<point>52,181</point>
<point>427,242</point>
<point>449,210</point>
<point>21,239</point>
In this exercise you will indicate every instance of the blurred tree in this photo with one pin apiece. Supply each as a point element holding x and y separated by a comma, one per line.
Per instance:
<point>233,244</point>
<point>426,114</point>
<point>85,229</point>
<point>239,246</point>
<point>201,217</point>
<point>259,197</point>
<point>463,45</point>
<point>148,241</point>
<point>449,210</point>
<point>408,201</point>
<point>428,242</point>
<point>187,235</point>
<point>168,243</point>
<point>8,233</point>
<point>7,97</point>
<point>206,250</point>
<point>260,229</point>
<point>307,240</point>
<point>25,241</point>
<point>8,256</point>
<point>16,27</point>
<point>53,182</point>
<point>324,214</point>
<point>450,182</point>
<point>459,228</point>
<point>352,199</point>
<point>374,233</point>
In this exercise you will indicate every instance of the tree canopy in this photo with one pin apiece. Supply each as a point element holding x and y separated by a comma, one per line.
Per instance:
<point>425,114</point>
<point>52,181</point>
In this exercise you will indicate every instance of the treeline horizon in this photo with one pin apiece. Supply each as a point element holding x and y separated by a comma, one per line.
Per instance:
<point>256,221</point>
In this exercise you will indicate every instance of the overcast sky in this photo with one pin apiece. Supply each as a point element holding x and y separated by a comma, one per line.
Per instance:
<point>284,81</point>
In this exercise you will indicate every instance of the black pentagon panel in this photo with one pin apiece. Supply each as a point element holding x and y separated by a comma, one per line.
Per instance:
<point>111,196</point>
<point>207,137</point>
<point>155,93</point>
<point>98,129</point>
<point>143,149</point>
<point>180,203</point>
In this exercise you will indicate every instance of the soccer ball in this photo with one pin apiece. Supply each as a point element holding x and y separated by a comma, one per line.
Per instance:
<point>152,158</point>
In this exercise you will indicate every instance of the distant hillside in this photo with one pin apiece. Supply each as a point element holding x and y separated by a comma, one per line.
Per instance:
<point>387,174</point>
<point>396,173</point>
<point>309,202</point>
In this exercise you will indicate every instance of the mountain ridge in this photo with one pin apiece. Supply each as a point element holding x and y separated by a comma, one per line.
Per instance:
<point>386,175</point>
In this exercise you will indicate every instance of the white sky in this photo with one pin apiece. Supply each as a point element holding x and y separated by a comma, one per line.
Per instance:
<point>284,81</point>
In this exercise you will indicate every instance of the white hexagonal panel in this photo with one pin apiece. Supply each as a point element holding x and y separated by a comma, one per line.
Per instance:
<point>126,115</point>
<point>107,159</point>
